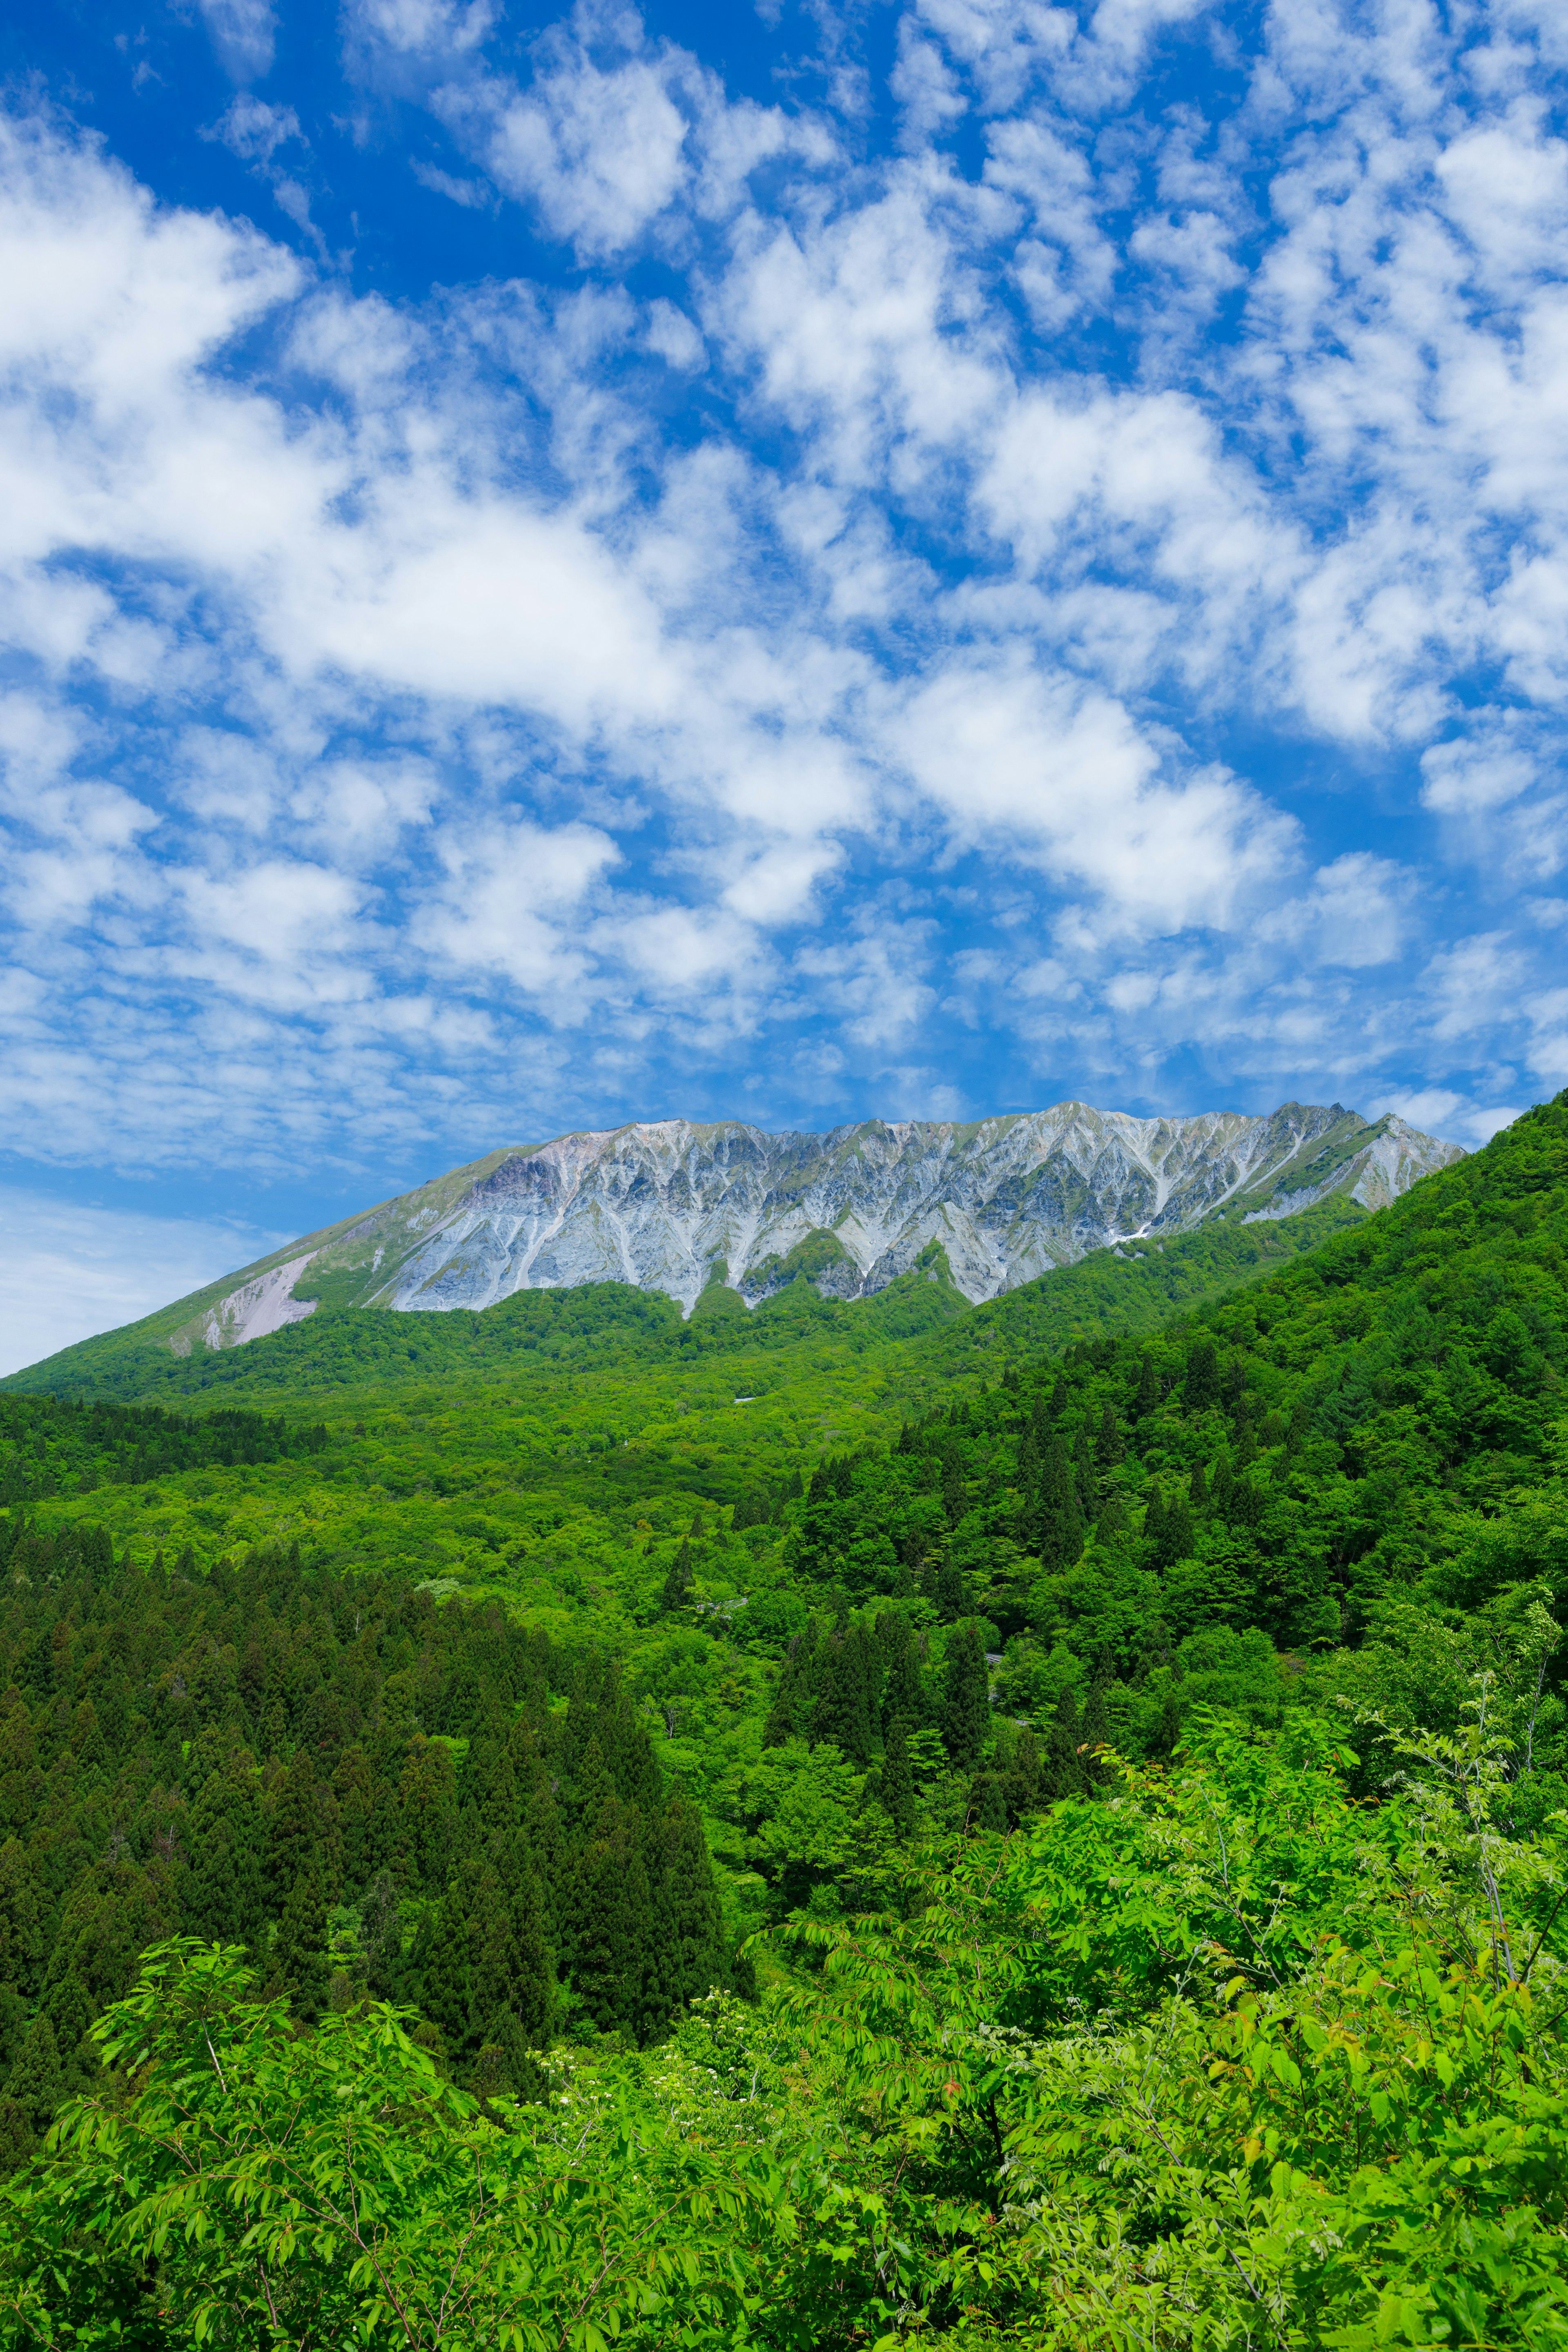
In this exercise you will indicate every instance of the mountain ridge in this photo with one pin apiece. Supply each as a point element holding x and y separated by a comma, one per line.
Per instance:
<point>679,1206</point>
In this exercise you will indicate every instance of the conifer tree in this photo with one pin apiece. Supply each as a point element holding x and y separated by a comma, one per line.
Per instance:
<point>790,1712</point>
<point>842,1711</point>
<point>611,1912</point>
<point>446,1978</point>
<point>294,1834</point>
<point>221,1892</point>
<point>1085,1480</point>
<point>37,2080</point>
<point>354,1787</point>
<point>952,1598</point>
<point>682,1954</point>
<point>1021,1782</point>
<point>1109,1445</point>
<point>300,1963</point>
<point>381,1940</point>
<point>903,1694</point>
<point>1147,1397</point>
<point>1095,1729</point>
<point>534,2002</point>
<point>496,1971</point>
<point>898,1779</point>
<point>964,1710</point>
<point>1114,1524</point>
<point>1177,1533</point>
<point>678,1581</point>
<point>21,1911</point>
<point>987,1803</point>
<point>1062,1774</point>
<point>1202,1377</point>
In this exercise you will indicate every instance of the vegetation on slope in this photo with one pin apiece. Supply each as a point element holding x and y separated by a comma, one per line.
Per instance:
<point>1140,1772</point>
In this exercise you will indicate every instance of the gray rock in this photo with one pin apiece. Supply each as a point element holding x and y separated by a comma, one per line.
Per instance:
<point>673,1206</point>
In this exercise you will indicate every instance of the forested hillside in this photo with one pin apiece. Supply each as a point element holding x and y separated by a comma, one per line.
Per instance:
<point>874,1821</point>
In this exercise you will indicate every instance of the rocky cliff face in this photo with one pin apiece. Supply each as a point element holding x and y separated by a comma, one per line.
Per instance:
<point>675,1206</point>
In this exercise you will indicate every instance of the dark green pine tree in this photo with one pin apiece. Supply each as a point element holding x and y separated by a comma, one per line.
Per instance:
<point>24,1902</point>
<point>223,1895</point>
<point>965,1709</point>
<point>791,1710</point>
<point>903,1696</point>
<point>1109,1445</point>
<point>496,1971</point>
<point>534,2002</point>
<point>987,1803</point>
<point>445,1991</point>
<point>504,2065</point>
<point>1085,1477</point>
<point>1154,1524</point>
<point>381,1940</point>
<point>34,2089</point>
<point>898,1783</point>
<point>952,1598</point>
<point>841,1711</point>
<point>1202,1377</point>
<point>359,1814</point>
<point>1021,1782</point>
<point>1095,1729</point>
<point>1199,1488</point>
<point>1245,1506</point>
<point>495,1786</point>
<point>678,1583</point>
<point>595,1790</point>
<point>1062,1773</point>
<point>1113,1526</point>
<point>294,1834</point>
<point>682,1950</point>
<point>609,1902</point>
<point>299,1961</point>
<point>1177,1533</point>
<point>1224,1485</point>
<point>1147,1397</point>
<point>1061,1513</point>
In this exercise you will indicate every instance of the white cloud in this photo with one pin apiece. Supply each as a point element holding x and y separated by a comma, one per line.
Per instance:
<point>512,902</point>
<point>671,334</point>
<point>390,677</point>
<point>1064,777</point>
<point>244,34</point>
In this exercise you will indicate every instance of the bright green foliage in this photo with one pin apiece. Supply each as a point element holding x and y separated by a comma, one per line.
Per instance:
<point>1149,1761</point>
<point>1109,2089</point>
<point>334,2191</point>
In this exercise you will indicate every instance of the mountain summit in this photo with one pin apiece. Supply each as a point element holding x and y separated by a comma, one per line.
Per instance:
<point>675,1207</point>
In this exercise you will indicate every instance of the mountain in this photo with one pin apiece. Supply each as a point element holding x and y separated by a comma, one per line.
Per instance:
<point>677,1207</point>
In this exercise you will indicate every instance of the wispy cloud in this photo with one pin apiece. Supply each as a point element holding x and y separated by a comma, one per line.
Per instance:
<point>1061,560</point>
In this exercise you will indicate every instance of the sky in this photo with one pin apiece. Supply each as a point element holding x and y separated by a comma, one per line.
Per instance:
<point>912,558</point>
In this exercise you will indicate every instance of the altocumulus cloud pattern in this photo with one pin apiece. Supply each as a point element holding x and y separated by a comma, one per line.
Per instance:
<point>916,558</point>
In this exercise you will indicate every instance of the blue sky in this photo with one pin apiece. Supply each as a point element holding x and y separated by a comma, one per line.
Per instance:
<point>782,562</point>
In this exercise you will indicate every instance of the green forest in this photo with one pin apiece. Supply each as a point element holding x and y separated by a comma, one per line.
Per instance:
<point>829,1825</point>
